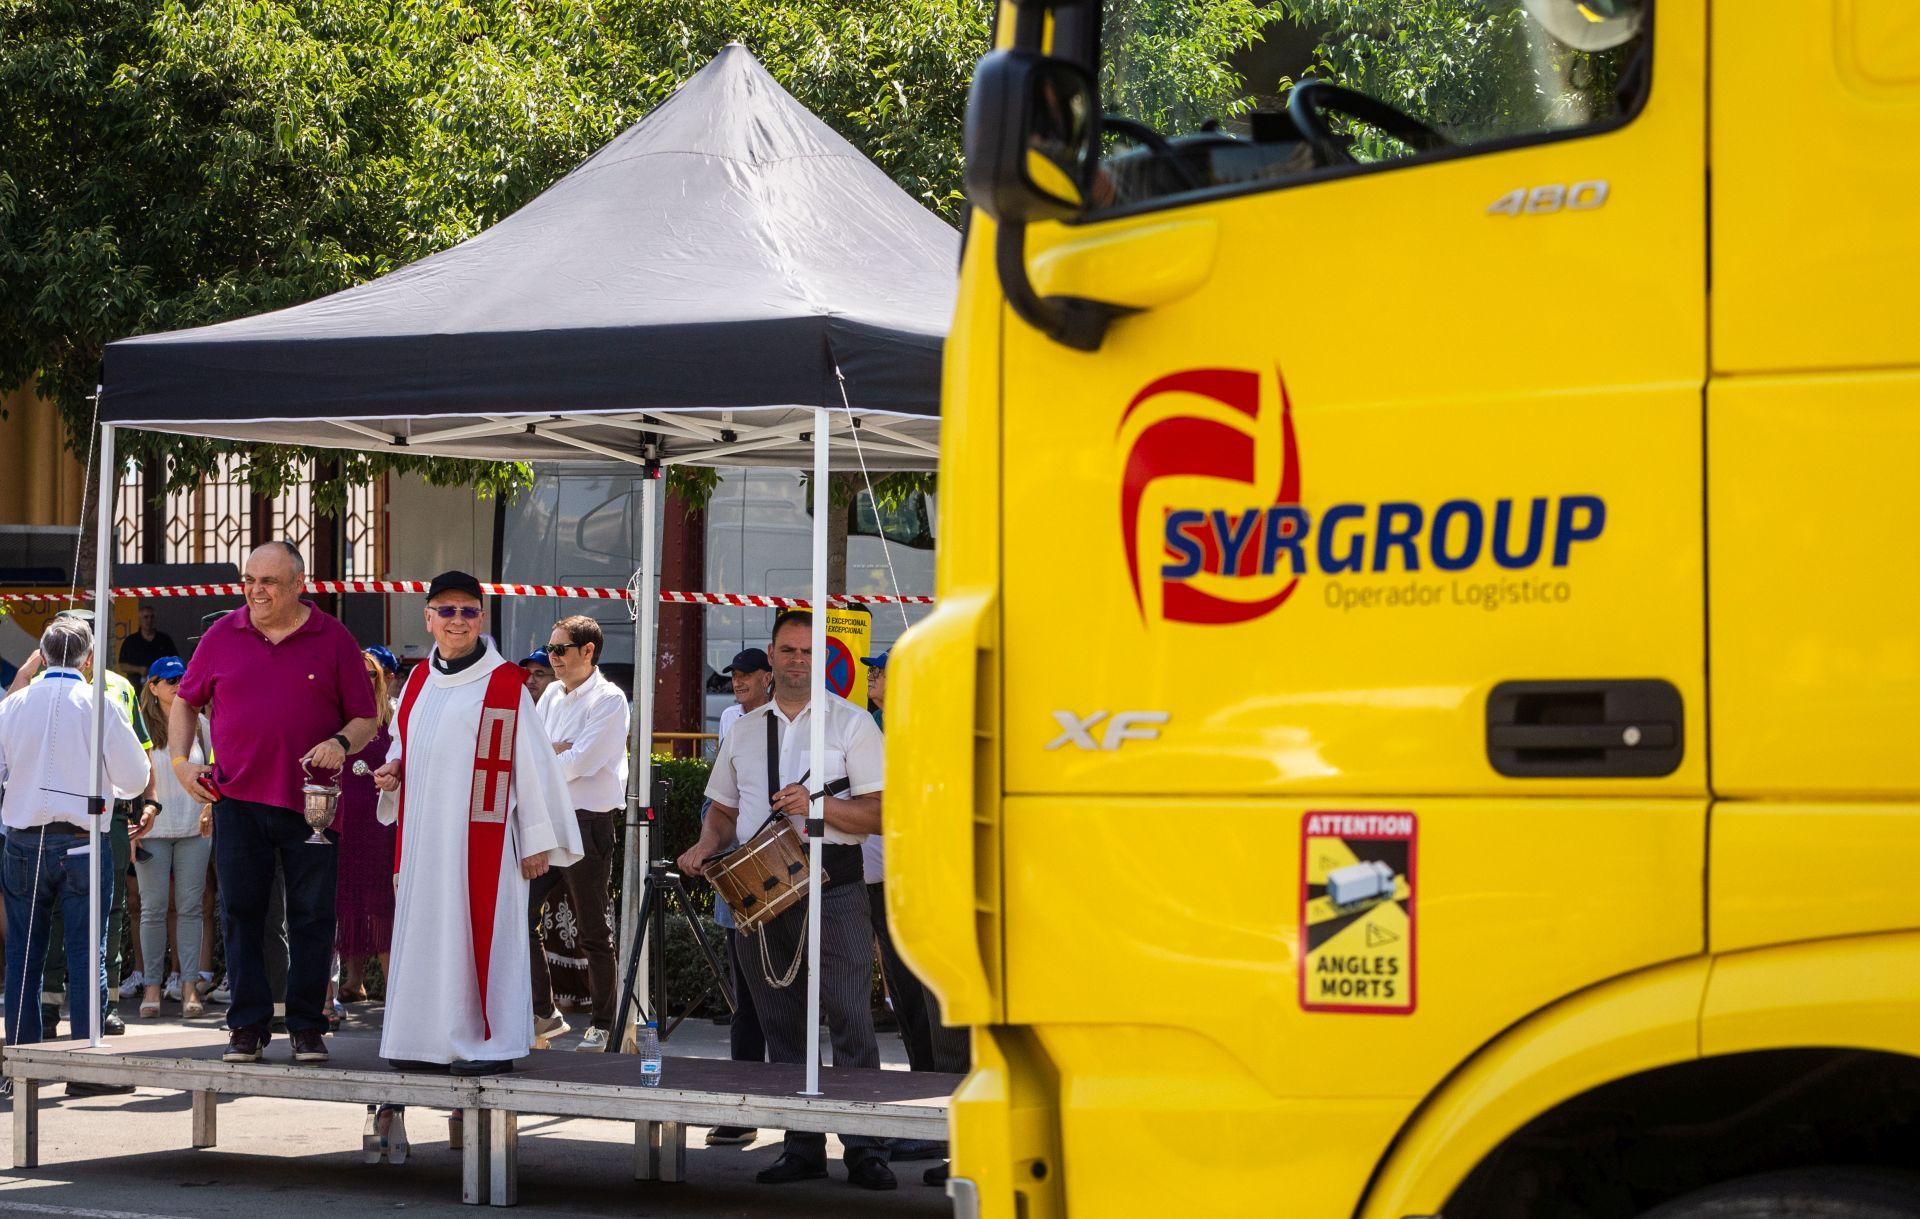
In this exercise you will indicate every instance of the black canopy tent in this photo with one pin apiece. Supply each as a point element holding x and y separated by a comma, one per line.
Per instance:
<point>728,282</point>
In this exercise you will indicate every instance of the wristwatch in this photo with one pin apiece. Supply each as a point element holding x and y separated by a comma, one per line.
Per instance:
<point>342,738</point>
<point>150,804</point>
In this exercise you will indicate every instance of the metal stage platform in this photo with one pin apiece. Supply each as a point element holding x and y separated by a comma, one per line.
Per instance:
<point>694,1092</point>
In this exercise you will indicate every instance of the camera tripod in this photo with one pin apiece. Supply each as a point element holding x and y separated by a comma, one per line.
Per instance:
<point>662,882</point>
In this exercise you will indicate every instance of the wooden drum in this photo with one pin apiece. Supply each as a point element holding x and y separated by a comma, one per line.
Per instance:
<point>763,876</point>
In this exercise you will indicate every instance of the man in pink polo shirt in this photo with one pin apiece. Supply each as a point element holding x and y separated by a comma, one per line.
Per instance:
<point>283,684</point>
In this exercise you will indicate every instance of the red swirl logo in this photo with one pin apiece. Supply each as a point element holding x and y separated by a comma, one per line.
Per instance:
<point>1233,543</point>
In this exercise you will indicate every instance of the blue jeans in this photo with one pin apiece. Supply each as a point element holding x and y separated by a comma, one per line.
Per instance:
<point>248,840</point>
<point>38,876</point>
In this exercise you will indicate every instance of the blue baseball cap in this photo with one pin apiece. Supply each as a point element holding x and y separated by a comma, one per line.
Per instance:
<point>537,657</point>
<point>384,657</point>
<point>877,661</point>
<point>749,660</point>
<point>167,668</point>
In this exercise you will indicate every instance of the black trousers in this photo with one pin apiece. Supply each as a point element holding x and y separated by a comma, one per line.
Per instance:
<point>931,1045</point>
<point>846,980</point>
<point>588,886</point>
<point>248,841</point>
<point>745,1040</point>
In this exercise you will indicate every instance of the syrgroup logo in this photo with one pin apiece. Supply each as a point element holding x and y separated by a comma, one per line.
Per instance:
<point>1211,543</point>
<point>1240,553</point>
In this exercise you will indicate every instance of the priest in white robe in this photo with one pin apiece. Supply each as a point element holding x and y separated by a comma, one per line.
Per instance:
<point>478,810</point>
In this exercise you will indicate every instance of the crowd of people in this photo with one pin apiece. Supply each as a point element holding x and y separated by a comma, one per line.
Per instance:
<point>470,794</point>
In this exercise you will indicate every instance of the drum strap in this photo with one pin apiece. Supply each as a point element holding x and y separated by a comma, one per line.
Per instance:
<point>773,785</point>
<point>773,758</point>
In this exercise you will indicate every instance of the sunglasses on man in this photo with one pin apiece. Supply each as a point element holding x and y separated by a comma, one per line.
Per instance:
<point>468,612</point>
<point>561,649</point>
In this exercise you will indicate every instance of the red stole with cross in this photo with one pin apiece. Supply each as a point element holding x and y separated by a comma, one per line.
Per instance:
<point>486,806</point>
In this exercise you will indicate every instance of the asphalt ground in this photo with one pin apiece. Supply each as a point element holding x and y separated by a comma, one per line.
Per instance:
<point>127,1157</point>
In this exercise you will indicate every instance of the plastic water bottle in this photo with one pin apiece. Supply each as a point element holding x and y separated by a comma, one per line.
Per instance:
<point>650,1056</point>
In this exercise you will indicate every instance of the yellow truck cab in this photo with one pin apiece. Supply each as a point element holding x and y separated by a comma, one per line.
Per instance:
<point>1421,716</point>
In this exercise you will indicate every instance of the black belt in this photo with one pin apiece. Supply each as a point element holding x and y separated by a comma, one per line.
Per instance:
<point>57,830</point>
<point>842,863</point>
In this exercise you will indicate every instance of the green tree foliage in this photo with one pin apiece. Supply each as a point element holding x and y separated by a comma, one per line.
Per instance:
<point>166,164</point>
<point>1170,63</point>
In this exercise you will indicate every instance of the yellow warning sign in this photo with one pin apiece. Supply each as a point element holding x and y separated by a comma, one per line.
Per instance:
<point>1357,895</point>
<point>849,638</point>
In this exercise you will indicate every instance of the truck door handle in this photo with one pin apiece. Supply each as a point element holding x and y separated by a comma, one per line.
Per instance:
<point>1580,736</point>
<point>1585,729</point>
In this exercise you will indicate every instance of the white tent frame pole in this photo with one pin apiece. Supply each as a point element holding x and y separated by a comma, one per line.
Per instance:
<point>817,742</point>
<point>101,805</point>
<point>640,744</point>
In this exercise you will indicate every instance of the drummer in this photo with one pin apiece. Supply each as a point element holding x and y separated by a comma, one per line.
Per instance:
<point>742,802</point>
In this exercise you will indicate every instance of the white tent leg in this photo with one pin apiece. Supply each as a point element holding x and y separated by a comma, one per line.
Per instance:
<point>640,741</point>
<point>817,742</point>
<point>102,797</point>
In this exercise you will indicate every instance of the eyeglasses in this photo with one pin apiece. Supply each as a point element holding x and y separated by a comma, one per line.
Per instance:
<point>561,649</point>
<point>468,612</point>
<point>166,681</point>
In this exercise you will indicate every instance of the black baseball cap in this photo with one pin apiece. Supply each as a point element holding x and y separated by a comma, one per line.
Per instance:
<point>753,660</point>
<point>455,582</point>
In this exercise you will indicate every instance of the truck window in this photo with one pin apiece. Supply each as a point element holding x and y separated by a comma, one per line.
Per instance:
<point>1245,94</point>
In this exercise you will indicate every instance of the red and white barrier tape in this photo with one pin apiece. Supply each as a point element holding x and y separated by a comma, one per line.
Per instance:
<point>497,590</point>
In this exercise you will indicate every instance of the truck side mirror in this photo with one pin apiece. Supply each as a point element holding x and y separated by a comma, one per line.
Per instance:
<point>1033,150</point>
<point>1032,137</point>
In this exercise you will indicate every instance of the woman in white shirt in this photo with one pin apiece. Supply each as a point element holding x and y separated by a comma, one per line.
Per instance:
<point>176,838</point>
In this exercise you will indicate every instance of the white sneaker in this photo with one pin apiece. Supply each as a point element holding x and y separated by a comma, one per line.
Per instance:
<point>593,1039</point>
<point>172,988</point>
<point>546,1028</point>
<point>222,993</point>
<point>131,984</point>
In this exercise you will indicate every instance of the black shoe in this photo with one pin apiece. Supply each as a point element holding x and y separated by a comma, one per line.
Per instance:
<point>425,1068</point>
<point>916,1149</point>
<point>246,1045</point>
<point>790,1167</point>
<point>310,1046</point>
<point>112,1025</point>
<point>871,1172</point>
<point>76,1088</point>
<point>482,1066</point>
<point>731,1136</point>
<point>937,1175</point>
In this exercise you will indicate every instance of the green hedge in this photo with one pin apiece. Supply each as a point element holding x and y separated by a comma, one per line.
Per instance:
<point>677,827</point>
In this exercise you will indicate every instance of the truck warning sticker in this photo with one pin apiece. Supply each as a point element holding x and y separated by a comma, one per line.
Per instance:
<point>1357,897</point>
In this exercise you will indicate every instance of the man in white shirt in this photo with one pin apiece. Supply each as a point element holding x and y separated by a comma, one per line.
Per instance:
<point>46,760</point>
<point>586,719</point>
<point>763,769</point>
<point>752,676</point>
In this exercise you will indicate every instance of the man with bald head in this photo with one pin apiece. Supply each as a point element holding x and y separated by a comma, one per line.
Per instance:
<point>287,694</point>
